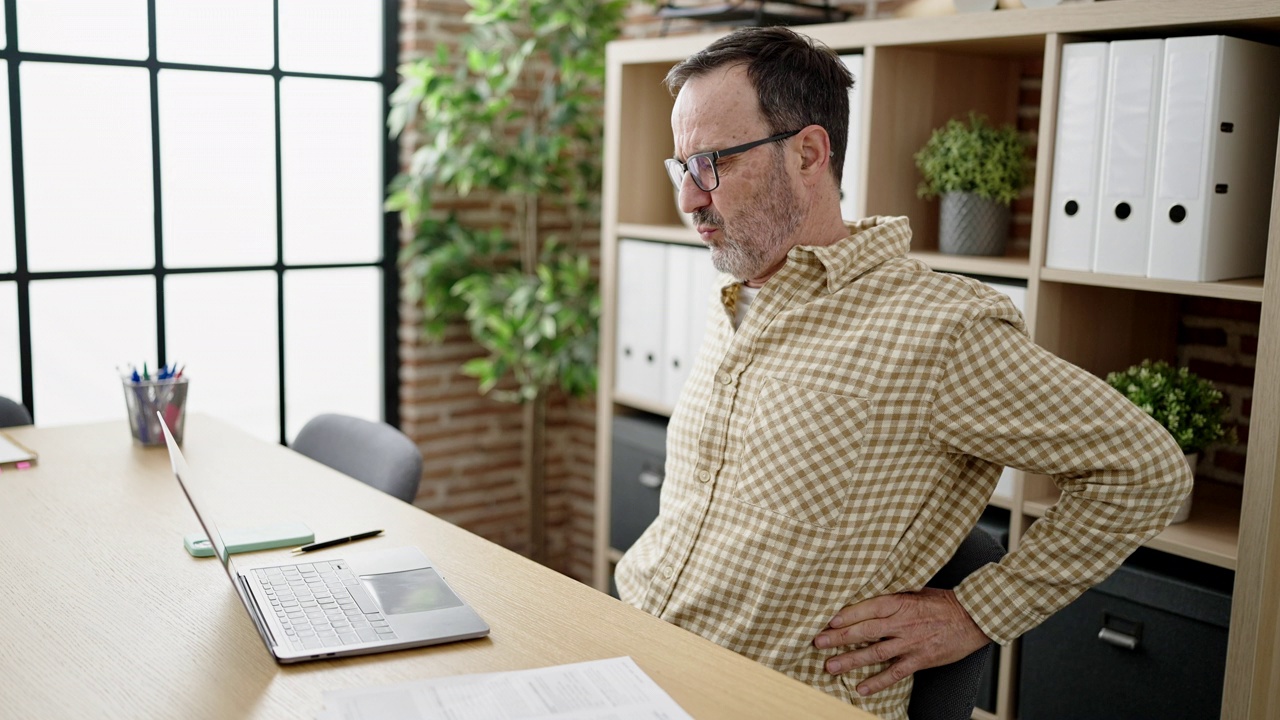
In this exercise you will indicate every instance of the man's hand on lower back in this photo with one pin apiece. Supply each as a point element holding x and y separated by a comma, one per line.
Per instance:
<point>912,631</point>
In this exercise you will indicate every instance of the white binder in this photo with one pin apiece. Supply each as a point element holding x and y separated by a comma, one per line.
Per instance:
<point>851,180</point>
<point>1128,167</point>
<point>1073,199</point>
<point>1215,161</point>
<point>641,315</point>
<point>678,357</point>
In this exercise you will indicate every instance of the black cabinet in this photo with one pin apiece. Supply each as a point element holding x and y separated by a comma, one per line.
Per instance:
<point>1148,642</point>
<point>639,453</point>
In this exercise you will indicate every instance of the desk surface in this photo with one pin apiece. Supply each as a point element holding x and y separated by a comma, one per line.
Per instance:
<point>103,614</point>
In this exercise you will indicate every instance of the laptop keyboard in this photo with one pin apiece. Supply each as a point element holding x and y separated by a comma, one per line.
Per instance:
<point>323,605</point>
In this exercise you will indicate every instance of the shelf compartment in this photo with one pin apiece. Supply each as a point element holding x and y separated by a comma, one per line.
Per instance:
<point>644,193</point>
<point>1104,329</point>
<point>914,90</point>
<point>1247,289</point>
<point>1211,535</point>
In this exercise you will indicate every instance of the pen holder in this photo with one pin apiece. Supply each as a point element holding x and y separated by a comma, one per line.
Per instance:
<point>145,398</point>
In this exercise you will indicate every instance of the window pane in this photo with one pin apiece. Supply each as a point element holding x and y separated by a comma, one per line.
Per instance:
<point>8,257</point>
<point>10,367</point>
<point>331,149</point>
<point>87,162</point>
<point>335,37</point>
<point>218,168</point>
<point>332,344</point>
<point>81,330</point>
<point>222,328</point>
<point>231,33</point>
<point>92,28</point>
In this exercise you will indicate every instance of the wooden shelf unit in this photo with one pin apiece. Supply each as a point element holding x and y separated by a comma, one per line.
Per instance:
<point>918,73</point>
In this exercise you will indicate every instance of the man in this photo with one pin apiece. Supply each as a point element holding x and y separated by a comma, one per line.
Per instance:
<point>850,411</point>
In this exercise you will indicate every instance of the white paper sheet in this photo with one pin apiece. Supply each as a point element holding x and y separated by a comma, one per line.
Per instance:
<point>11,452</point>
<point>615,689</point>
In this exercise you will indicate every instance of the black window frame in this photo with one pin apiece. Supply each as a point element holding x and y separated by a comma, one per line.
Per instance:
<point>23,278</point>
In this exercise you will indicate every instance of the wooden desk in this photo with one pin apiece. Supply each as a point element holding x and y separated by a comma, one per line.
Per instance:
<point>105,615</point>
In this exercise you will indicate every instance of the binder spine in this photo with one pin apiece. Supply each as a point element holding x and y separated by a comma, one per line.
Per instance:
<point>1127,170</point>
<point>1215,159</point>
<point>1179,215</point>
<point>1077,146</point>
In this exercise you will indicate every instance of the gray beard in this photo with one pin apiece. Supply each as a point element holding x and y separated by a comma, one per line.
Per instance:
<point>759,237</point>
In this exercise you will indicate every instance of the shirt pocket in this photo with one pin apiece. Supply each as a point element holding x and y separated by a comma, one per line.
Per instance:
<point>801,451</point>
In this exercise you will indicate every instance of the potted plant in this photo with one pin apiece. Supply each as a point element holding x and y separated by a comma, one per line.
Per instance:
<point>1186,405</point>
<point>978,170</point>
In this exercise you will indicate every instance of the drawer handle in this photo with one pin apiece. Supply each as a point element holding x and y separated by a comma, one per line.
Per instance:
<point>650,479</point>
<point>1119,639</point>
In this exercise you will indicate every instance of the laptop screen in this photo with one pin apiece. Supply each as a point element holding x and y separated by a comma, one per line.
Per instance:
<point>196,493</point>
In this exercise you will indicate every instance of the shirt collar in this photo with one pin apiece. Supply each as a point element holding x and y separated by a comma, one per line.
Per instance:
<point>871,242</point>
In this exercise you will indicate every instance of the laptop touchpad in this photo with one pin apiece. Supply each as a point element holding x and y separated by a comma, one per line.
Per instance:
<point>410,591</point>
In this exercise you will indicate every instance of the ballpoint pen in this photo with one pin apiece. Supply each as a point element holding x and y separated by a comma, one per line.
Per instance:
<point>337,541</point>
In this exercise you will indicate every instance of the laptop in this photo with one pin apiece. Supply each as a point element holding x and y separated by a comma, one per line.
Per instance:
<point>364,603</point>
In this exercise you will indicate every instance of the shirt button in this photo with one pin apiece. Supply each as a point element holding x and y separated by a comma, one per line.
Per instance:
<point>726,378</point>
<point>704,476</point>
<point>666,572</point>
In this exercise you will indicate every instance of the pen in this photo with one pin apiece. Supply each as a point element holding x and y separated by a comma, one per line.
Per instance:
<point>338,541</point>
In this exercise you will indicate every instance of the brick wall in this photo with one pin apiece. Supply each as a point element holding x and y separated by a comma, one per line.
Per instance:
<point>1218,340</point>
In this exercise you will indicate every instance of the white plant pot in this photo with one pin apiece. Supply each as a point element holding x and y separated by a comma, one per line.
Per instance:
<point>1184,511</point>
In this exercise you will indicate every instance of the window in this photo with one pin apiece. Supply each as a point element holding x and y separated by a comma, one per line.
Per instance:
<point>199,182</point>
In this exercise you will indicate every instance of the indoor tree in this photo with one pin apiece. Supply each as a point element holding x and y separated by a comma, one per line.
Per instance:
<point>516,111</point>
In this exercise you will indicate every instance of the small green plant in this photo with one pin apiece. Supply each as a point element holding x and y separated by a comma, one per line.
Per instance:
<point>1188,406</point>
<point>973,157</point>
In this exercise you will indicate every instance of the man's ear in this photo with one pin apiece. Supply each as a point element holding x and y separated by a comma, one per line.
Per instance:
<point>815,150</point>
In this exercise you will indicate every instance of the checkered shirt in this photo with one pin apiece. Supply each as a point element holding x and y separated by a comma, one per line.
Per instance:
<point>841,443</point>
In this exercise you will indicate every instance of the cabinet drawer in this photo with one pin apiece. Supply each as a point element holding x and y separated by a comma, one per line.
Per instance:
<point>1140,644</point>
<point>639,453</point>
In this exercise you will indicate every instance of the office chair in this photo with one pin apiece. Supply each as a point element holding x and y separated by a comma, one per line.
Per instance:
<point>372,452</point>
<point>13,413</point>
<point>949,692</point>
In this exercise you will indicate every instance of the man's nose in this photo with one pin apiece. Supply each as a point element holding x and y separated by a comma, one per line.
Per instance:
<point>691,197</point>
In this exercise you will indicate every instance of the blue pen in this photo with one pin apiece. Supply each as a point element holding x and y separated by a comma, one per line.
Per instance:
<point>135,376</point>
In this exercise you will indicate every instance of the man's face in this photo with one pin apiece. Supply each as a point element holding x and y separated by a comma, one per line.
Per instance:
<point>748,220</point>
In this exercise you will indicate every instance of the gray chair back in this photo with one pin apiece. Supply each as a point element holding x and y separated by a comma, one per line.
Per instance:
<point>372,452</point>
<point>949,692</point>
<point>13,413</point>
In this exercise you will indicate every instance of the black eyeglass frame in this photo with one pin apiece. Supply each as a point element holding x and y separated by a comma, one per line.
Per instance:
<point>676,170</point>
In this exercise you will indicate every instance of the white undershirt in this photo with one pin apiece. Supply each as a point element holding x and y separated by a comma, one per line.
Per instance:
<point>745,296</point>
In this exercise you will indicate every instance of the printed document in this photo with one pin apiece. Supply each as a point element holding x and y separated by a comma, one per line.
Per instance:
<point>615,689</point>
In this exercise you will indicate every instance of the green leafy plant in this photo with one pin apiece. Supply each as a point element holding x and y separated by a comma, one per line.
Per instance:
<point>1188,406</point>
<point>973,157</point>
<point>515,110</point>
<point>542,329</point>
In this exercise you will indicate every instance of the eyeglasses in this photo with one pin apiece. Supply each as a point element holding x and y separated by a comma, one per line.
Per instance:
<point>702,166</point>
